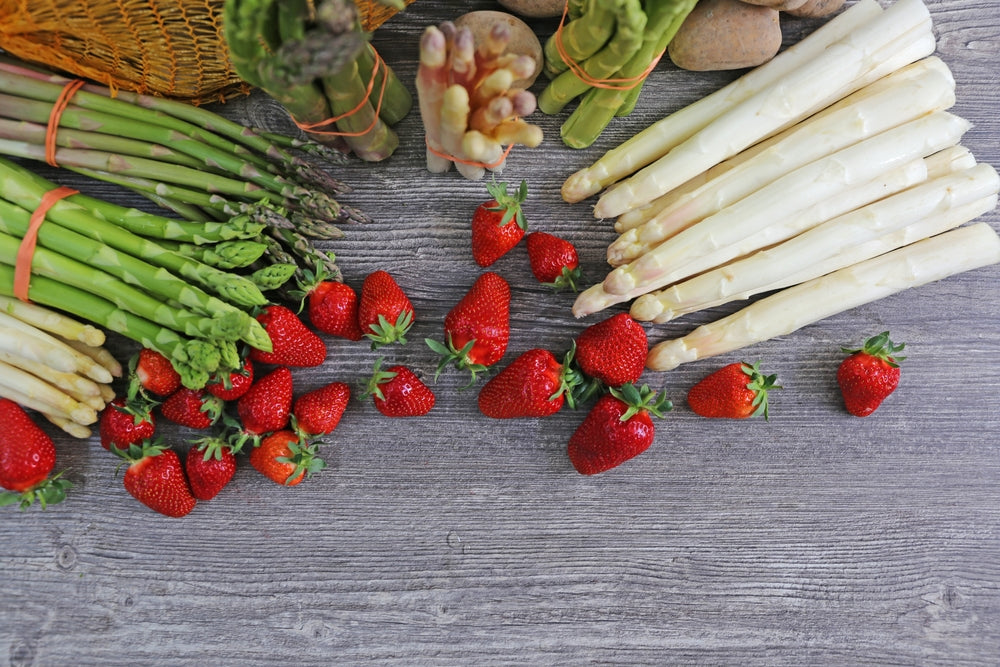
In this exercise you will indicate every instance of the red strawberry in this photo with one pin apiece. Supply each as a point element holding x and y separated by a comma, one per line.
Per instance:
<point>498,225</point>
<point>209,465</point>
<point>870,374</point>
<point>27,456</point>
<point>125,423</point>
<point>268,403</point>
<point>293,343</point>
<point>535,384</point>
<point>554,261</point>
<point>616,429</point>
<point>478,327</point>
<point>736,391</point>
<point>319,411</point>
<point>155,477</point>
<point>285,459</point>
<point>155,372</point>
<point>333,309</point>
<point>233,384</point>
<point>385,313</point>
<point>195,408</point>
<point>613,351</point>
<point>398,392</point>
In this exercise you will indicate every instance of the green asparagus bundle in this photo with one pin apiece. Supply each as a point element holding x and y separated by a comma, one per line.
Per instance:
<point>89,262</point>
<point>314,58</point>
<point>603,54</point>
<point>199,165</point>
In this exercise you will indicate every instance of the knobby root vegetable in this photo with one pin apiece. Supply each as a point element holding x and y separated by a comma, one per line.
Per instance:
<point>963,249</point>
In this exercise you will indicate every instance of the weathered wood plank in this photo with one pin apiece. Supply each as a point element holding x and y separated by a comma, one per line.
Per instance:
<point>812,538</point>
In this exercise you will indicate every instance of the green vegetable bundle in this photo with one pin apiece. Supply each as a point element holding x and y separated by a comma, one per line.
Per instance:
<point>111,266</point>
<point>188,159</point>
<point>603,53</point>
<point>314,58</point>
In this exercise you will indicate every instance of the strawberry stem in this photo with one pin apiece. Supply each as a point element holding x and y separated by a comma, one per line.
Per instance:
<point>639,399</point>
<point>509,204</point>
<point>760,384</point>
<point>880,347</point>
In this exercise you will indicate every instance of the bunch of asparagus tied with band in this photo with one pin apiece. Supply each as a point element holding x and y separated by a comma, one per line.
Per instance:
<point>833,174</point>
<point>120,269</point>
<point>189,160</point>
<point>468,103</point>
<point>313,57</point>
<point>55,364</point>
<point>603,52</point>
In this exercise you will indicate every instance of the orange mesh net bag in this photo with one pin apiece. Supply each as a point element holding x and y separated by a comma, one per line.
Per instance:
<point>172,48</point>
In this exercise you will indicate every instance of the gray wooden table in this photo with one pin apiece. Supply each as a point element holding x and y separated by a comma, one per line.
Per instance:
<point>814,538</point>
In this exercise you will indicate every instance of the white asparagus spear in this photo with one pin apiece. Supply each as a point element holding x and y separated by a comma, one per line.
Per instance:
<point>51,321</point>
<point>911,52</point>
<point>17,343</point>
<point>595,298</point>
<point>100,354</point>
<point>800,93</point>
<point>69,426</point>
<point>432,79</point>
<point>454,120</point>
<point>82,389</point>
<point>685,254</point>
<point>819,244</point>
<point>83,364</point>
<point>43,394</point>
<point>654,142</point>
<point>948,161</point>
<point>915,90</point>
<point>963,249</point>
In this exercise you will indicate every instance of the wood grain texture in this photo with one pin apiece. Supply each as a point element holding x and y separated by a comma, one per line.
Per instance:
<point>814,538</point>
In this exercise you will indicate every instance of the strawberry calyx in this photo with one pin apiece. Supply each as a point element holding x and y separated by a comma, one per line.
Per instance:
<point>378,378</point>
<point>880,347</point>
<point>385,332</point>
<point>760,384</point>
<point>49,491</point>
<point>212,447</point>
<point>310,280</point>
<point>304,456</point>
<point>458,356</point>
<point>510,204</point>
<point>570,379</point>
<point>567,279</point>
<point>641,399</point>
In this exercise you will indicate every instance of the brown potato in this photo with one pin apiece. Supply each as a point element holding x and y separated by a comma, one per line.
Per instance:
<point>780,5</point>
<point>726,34</point>
<point>536,9</point>
<point>817,8</point>
<point>522,39</point>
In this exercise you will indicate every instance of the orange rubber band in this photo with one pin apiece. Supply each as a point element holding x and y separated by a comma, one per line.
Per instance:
<point>581,73</point>
<point>471,163</point>
<point>313,127</point>
<point>55,114</point>
<point>26,251</point>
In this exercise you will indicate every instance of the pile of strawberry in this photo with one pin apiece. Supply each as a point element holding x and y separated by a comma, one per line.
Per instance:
<point>257,410</point>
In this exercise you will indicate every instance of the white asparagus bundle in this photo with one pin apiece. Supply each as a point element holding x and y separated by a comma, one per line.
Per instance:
<point>653,142</point>
<point>51,321</point>
<point>963,249</point>
<point>54,365</point>
<point>812,250</point>
<point>733,232</point>
<point>910,53</point>
<point>468,103</point>
<point>913,91</point>
<point>802,92</point>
